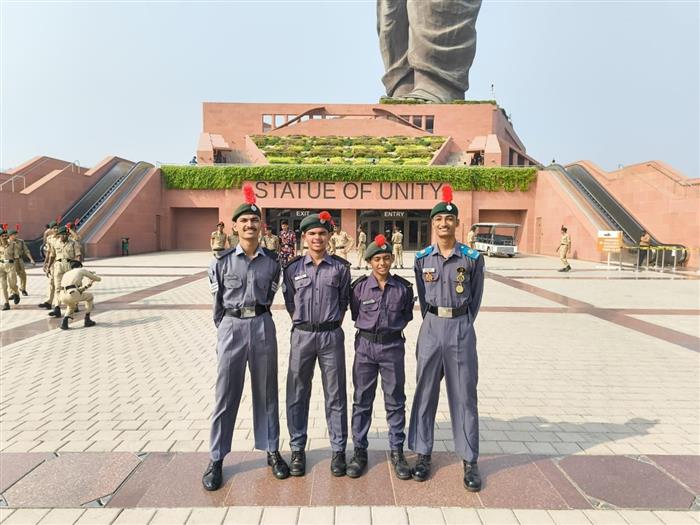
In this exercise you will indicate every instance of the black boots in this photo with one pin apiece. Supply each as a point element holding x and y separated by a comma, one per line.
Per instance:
<point>213,476</point>
<point>297,466</point>
<point>358,463</point>
<point>56,312</point>
<point>401,468</point>
<point>64,323</point>
<point>280,469</point>
<point>24,292</point>
<point>15,298</point>
<point>5,306</point>
<point>421,471</point>
<point>45,305</point>
<point>338,465</point>
<point>88,322</point>
<point>472,479</point>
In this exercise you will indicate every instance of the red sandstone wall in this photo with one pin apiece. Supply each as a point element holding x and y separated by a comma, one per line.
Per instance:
<point>192,227</point>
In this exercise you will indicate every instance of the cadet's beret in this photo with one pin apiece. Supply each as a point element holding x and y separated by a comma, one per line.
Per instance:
<point>52,224</point>
<point>62,230</point>
<point>249,205</point>
<point>317,220</point>
<point>378,246</point>
<point>12,232</point>
<point>445,205</point>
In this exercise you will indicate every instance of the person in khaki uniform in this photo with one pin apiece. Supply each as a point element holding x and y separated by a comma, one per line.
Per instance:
<point>340,242</point>
<point>61,252</point>
<point>73,291</point>
<point>7,270</point>
<point>563,249</point>
<point>644,246</point>
<point>397,243</point>
<point>361,247</point>
<point>233,239</point>
<point>21,251</point>
<point>471,237</point>
<point>270,241</point>
<point>218,239</point>
<point>50,236</point>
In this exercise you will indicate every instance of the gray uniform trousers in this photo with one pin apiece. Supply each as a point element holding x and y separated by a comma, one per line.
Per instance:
<point>388,360</point>
<point>442,41</point>
<point>446,348</point>
<point>239,341</point>
<point>329,348</point>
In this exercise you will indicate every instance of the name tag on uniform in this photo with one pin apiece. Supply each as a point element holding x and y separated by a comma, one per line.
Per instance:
<point>302,276</point>
<point>369,301</point>
<point>428,270</point>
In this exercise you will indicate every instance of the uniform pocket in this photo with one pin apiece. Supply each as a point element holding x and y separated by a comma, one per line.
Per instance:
<point>232,282</point>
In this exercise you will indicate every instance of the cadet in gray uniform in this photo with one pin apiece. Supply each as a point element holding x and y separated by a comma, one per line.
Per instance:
<point>243,281</point>
<point>381,306</point>
<point>450,283</point>
<point>316,294</point>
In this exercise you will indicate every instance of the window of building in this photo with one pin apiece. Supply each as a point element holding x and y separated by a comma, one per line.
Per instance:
<point>429,123</point>
<point>267,122</point>
<point>418,120</point>
<point>279,120</point>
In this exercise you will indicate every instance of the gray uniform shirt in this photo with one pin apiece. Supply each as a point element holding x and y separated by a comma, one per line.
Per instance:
<point>317,294</point>
<point>437,283</point>
<point>237,281</point>
<point>377,310</point>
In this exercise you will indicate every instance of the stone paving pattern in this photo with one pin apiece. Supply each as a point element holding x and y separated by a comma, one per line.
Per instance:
<point>592,363</point>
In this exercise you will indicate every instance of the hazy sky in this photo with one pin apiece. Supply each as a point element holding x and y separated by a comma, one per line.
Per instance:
<point>612,82</point>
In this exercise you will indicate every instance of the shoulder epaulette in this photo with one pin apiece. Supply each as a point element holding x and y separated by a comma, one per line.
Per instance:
<point>344,261</point>
<point>269,253</point>
<point>224,253</point>
<point>357,281</point>
<point>403,281</point>
<point>469,252</point>
<point>293,260</point>
<point>425,251</point>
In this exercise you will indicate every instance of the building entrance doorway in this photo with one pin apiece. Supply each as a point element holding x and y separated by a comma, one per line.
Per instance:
<point>274,217</point>
<point>414,224</point>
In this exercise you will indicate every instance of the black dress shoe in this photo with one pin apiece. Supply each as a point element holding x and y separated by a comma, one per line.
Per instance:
<point>472,478</point>
<point>24,292</point>
<point>6,306</point>
<point>358,463</point>
<point>56,312</point>
<point>421,471</point>
<point>403,471</point>
<point>297,466</point>
<point>280,469</point>
<point>64,323</point>
<point>15,298</point>
<point>77,309</point>
<point>87,323</point>
<point>338,465</point>
<point>213,476</point>
<point>45,305</point>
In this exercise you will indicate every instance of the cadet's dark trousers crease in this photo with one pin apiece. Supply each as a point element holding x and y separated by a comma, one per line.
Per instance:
<point>453,356</point>
<point>387,360</point>
<point>240,341</point>
<point>329,348</point>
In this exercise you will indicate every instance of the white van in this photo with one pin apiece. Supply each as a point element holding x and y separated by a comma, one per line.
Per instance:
<point>497,238</point>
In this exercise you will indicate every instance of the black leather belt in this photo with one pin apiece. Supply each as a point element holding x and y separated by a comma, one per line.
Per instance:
<point>63,260</point>
<point>318,327</point>
<point>381,338</point>
<point>447,312</point>
<point>69,287</point>
<point>8,260</point>
<point>217,249</point>
<point>341,247</point>
<point>247,312</point>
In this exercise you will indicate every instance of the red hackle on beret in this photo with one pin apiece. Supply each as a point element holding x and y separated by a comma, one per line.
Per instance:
<point>447,193</point>
<point>76,221</point>
<point>249,194</point>
<point>324,216</point>
<point>380,240</point>
<point>17,227</point>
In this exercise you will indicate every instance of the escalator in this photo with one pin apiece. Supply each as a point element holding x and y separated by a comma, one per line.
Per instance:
<point>114,183</point>
<point>613,213</point>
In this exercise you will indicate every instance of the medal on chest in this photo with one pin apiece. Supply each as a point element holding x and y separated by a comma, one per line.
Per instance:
<point>459,288</point>
<point>428,275</point>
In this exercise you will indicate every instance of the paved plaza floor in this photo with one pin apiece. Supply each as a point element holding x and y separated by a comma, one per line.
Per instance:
<point>589,398</point>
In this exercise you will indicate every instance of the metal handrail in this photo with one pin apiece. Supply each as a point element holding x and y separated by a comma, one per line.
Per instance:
<point>11,180</point>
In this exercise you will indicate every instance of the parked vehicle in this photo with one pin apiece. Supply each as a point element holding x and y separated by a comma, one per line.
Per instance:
<point>497,238</point>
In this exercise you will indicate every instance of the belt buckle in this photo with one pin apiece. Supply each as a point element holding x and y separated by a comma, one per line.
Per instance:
<point>444,311</point>
<point>247,312</point>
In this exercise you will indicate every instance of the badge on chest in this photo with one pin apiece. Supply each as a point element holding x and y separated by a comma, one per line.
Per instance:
<point>429,275</point>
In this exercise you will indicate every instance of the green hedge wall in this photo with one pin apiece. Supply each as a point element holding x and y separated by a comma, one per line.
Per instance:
<point>465,178</point>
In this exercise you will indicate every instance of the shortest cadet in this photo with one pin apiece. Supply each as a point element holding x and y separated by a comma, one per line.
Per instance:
<point>381,306</point>
<point>73,291</point>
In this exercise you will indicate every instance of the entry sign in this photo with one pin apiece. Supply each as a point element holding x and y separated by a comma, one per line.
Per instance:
<point>609,241</point>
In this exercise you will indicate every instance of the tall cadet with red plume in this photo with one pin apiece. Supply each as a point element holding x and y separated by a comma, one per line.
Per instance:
<point>450,283</point>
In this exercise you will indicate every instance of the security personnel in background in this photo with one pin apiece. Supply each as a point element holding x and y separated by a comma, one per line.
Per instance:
<point>397,242</point>
<point>471,237</point>
<point>73,291</point>
<point>218,239</point>
<point>361,247</point>
<point>243,281</point>
<point>341,242</point>
<point>50,235</point>
<point>563,249</point>
<point>270,241</point>
<point>381,306</point>
<point>450,283</point>
<point>316,295</point>
<point>644,245</point>
<point>21,251</point>
<point>288,243</point>
<point>61,252</point>
<point>233,239</point>
<point>8,278</point>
